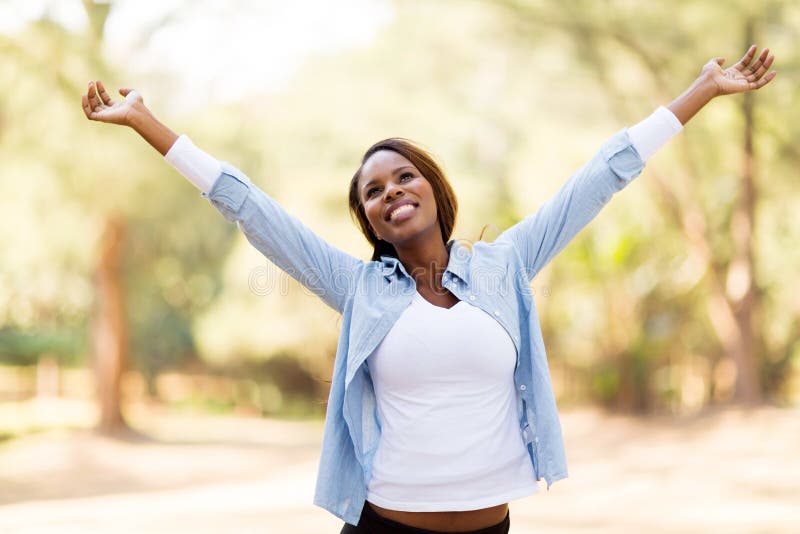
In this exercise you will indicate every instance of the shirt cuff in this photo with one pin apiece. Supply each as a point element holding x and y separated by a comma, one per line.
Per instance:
<point>653,132</point>
<point>197,166</point>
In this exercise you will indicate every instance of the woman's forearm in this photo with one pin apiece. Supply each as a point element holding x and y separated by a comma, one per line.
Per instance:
<point>693,99</point>
<point>158,134</point>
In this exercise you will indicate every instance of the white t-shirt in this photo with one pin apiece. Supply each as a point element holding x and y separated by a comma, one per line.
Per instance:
<point>444,386</point>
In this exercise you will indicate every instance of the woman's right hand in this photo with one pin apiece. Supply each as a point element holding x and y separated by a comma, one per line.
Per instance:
<point>98,106</point>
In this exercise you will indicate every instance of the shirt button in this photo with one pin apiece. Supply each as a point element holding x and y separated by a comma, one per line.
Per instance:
<point>523,387</point>
<point>496,313</point>
<point>472,297</point>
<point>536,439</point>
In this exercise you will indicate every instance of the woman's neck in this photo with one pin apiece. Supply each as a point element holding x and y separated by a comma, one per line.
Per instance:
<point>426,263</point>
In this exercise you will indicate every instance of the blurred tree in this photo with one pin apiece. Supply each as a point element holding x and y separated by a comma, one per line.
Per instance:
<point>619,46</point>
<point>155,266</point>
<point>93,264</point>
<point>109,333</point>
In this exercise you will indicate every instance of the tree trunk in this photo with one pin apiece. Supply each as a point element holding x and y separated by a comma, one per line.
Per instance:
<point>740,284</point>
<point>109,329</point>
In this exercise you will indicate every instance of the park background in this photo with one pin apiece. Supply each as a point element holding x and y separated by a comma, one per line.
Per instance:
<point>157,374</point>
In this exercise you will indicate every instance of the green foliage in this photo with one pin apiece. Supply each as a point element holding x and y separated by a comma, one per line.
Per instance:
<point>66,175</point>
<point>511,97</point>
<point>643,286</point>
<point>26,346</point>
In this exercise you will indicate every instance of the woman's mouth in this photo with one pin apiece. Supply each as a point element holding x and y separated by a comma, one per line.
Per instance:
<point>402,213</point>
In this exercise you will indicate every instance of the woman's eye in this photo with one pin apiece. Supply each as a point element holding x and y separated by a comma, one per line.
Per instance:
<point>403,177</point>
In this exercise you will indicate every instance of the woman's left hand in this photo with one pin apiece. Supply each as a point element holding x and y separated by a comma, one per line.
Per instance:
<point>746,75</point>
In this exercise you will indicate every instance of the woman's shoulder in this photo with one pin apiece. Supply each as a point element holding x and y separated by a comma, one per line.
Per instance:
<point>487,251</point>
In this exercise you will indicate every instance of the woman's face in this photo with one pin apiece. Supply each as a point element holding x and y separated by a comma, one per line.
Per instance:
<point>398,201</point>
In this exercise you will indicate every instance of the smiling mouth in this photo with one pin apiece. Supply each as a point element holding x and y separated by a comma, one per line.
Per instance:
<point>401,212</point>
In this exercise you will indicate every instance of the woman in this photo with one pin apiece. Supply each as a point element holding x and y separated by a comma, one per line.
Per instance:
<point>441,409</point>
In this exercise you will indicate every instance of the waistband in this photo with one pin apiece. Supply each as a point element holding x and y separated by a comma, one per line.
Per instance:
<point>384,525</point>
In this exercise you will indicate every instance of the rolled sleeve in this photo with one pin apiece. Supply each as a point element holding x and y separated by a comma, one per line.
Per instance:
<point>622,156</point>
<point>228,193</point>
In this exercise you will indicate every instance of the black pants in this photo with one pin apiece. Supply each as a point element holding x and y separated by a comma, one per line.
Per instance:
<point>372,523</point>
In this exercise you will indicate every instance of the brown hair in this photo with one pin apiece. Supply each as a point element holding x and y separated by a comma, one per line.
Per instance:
<point>446,203</point>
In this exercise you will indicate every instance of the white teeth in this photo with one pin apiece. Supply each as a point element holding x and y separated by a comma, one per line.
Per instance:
<point>401,209</point>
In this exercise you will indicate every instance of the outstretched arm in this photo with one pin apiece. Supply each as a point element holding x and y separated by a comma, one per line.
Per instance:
<point>325,270</point>
<point>542,235</point>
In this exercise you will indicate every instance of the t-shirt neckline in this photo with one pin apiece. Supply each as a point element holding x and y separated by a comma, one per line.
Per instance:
<point>419,297</point>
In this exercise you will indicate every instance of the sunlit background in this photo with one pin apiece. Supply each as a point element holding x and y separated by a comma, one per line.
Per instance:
<point>157,374</point>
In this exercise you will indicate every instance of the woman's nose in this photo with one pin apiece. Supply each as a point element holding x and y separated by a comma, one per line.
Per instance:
<point>393,190</point>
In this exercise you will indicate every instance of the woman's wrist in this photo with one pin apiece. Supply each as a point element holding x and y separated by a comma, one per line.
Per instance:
<point>700,93</point>
<point>138,116</point>
<point>141,120</point>
<point>706,85</point>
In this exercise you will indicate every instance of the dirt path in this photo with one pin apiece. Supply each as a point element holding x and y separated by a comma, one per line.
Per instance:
<point>728,471</point>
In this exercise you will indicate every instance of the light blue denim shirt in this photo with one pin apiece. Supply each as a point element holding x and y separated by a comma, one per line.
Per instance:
<point>371,295</point>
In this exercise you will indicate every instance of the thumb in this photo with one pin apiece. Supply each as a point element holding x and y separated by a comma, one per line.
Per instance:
<point>719,60</point>
<point>131,95</point>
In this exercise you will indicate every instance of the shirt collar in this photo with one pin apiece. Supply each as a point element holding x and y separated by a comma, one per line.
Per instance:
<point>390,265</point>
<point>457,264</point>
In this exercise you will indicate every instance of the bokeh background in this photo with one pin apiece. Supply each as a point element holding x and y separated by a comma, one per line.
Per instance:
<point>157,374</point>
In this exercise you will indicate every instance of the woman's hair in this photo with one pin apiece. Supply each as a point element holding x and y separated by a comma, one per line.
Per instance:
<point>446,203</point>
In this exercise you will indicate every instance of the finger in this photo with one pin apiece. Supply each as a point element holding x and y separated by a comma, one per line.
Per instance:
<point>764,67</point>
<point>87,109</point>
<point>124,91</point>
<point>758,62</point>
<point>746,58</point>
<point>758,68</point>
<point>719,61</point>
<point>764,81</point>
<point>103,94</point>
<point>94,101</point>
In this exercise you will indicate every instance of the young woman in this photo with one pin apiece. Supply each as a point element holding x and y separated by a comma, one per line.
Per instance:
<point>441,409</point>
